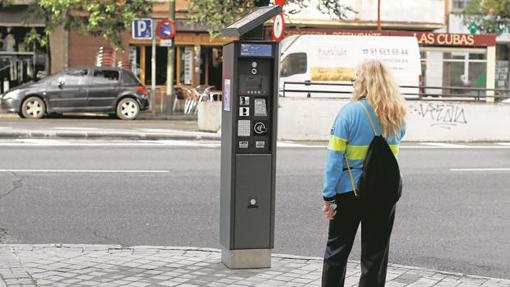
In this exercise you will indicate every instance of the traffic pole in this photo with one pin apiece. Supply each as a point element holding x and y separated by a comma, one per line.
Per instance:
<point>153,73</point>
<point>379,16</point>
<point>170,63</point>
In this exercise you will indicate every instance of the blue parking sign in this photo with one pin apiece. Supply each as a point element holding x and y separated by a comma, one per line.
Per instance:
<point>142,28</point>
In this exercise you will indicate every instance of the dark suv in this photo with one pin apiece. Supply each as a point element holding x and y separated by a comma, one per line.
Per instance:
<point>94,89</point>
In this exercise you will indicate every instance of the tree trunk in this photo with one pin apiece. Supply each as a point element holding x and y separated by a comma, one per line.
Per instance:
<point>48,55</point>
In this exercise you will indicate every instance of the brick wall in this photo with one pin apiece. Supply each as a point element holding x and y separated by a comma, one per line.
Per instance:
<point>83,48</point>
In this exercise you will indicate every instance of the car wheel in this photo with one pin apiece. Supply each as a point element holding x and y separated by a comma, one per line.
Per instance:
<point>33,108</point>
<point>128,109</point>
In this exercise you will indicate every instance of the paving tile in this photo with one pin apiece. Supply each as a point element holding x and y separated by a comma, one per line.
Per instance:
<point>148,266</point>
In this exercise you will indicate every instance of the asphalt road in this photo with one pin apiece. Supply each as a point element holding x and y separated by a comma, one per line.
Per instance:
<point>449,220</point>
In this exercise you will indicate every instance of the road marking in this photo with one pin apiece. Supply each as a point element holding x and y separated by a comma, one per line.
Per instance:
<point>480,169</point>
<point>141,143</point>
<point>215,144</point>
<point>81,171</point>
<point>453,146</point>
<point>447,145</point>
<point>78,128</point>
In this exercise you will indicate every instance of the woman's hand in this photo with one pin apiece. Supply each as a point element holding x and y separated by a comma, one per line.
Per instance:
<point>329,210</point>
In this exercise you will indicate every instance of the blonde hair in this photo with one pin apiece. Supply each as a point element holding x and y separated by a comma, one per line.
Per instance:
<point>373,80</point>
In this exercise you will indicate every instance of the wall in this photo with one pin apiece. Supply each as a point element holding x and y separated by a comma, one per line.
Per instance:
<point>417,13</point>
<point>83,48</point>
<point>311,119</point>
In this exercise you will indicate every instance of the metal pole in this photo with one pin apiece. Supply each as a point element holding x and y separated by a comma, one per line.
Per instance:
<point>379,15</point>
<point>170,63</point>
<point>153,74</point>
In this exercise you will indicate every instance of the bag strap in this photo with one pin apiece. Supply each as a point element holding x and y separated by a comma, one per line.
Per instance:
<point>350,176</point>
<point>345,158</point>
<point>369,117</point>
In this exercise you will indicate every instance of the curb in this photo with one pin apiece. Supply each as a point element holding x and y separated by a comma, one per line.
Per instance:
<point>142,116</point>
<point>100,135</point>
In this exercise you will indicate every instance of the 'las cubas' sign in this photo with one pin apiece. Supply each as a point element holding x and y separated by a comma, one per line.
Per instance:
<point>445,39</point>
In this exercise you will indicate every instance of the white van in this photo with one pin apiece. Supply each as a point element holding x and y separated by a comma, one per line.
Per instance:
<point>324,65</point>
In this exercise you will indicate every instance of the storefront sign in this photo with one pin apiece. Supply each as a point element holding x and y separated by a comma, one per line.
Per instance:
<point>188,65</point>
<point>446,39</point>
<point>424,39</point>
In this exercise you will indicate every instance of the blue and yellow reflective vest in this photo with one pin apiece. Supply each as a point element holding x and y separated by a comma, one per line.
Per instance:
<point>350,136</point>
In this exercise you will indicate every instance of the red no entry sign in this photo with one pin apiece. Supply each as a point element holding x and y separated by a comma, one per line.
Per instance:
<point>165,29</point>
<point>278,27</point>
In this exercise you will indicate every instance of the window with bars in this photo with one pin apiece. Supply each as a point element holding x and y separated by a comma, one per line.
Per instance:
<point>459,5</point>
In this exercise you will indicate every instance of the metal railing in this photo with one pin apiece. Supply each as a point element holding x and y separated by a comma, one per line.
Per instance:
<point>422,92</point>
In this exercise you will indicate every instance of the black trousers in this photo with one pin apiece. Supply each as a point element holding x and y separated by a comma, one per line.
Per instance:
<point>376,225</point>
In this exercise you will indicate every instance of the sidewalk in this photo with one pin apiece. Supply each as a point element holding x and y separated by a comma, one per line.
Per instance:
<point>112,265</point>
<point>79,127</point>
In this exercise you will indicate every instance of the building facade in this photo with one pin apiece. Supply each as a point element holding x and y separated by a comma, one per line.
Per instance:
<point>197,55</point>
<point>19,63</point>
<point>450,59</point>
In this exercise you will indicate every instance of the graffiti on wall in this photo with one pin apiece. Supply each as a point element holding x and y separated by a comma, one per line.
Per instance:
<point>442,115</point>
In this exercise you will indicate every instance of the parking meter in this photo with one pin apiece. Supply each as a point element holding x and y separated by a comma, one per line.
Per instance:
<point>248,146</point>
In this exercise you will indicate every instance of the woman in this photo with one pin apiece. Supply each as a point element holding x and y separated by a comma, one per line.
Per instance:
<point>375,93</point>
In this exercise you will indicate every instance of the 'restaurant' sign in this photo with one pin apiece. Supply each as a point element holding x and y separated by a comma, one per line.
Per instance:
<point>424,38</point>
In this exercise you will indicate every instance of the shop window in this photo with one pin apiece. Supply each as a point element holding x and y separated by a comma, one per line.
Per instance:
<point>459,69</point>
<point>293,64</point>
<point>161,64</point>
<point>459,5</point>
<point>211,66</point>
<point>19,63</point>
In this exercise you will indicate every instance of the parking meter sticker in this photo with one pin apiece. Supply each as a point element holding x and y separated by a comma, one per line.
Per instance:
<point>243,128</point>
<point>260,144</point>
<point>260,108</point>
<point>244,101</point>
<point>260,128</point>
<point>226,95</point>
<point>243,144</point>
<point>244,112</point>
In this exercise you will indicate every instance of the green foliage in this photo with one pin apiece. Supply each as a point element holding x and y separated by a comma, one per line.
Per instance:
<point>333,8</point>
<point>217,14</point>
<point>33,38</point>
<point>106,18</point>
<point>489,16</point>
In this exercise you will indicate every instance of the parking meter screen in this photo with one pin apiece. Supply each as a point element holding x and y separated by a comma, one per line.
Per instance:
<point>256,50</point>
<point>254,85</point>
